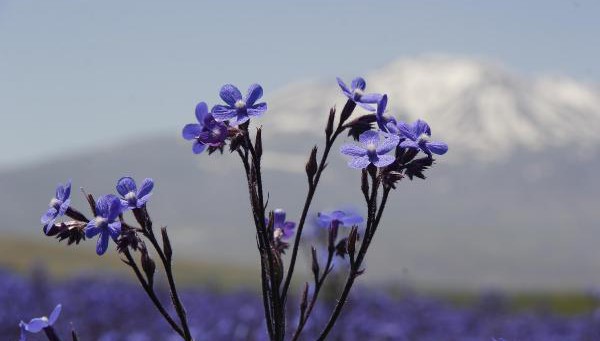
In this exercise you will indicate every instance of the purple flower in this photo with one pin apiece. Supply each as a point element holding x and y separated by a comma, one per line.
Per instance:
<point>239,110</point>
<point>372,151</point>
<point>339,218</point>
<point>382,119</point>
<point>58,205</point>
<point>131,197</point>
<point>37,324</point>
<point>207,132</point>
<point>417,136</point>
<point>108,208</point>
<point>356,93</point>
<point>282,229</point>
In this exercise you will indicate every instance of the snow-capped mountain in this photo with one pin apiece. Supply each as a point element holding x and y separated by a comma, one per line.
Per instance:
<point>479,108</point>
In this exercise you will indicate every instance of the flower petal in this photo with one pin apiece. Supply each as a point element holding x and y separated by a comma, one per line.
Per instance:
<point>343,86</point>
<point>114,208</point>
<point>351,219</point>
<point>67,191</point>
<point>91,229</point>
<point>257,109</point>
<point>223,113</point>
<point>278,217</point>
<point>384,160</point>
<point>201,112</point>
<point>358,83</point>
<point>381,105</point>
<point>255,92</point>
<point>359,162</point>
<point>198,147</point>
<point>406,130</point>
<point>102,243</point>
<point>239,118</point>
<point>49,216</point>
<point>369,136</point>
<point>191,131</point>
<point>36,325</point>
<point>288,228</point>
<point>370,98</point>
<point>54,315</point>
<point>64,207</point>
<point>389,143</point>
<point>421,127</point>
<point>146,187</point>
<point>324,219</point>
<point>353,150</point>
<point>230,94</point>
<point>439,148</point>
<point>114,229</point>
<point>125,185</point>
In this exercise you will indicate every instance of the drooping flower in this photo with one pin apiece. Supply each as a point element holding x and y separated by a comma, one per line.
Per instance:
<point>131,197</point>
<point>356,93</point>
<point>57,206</point>
<point>282,229</point>
<point>39,323</point>
<point>382,118</point>
<point>239,110</point>
<point>373,150</point>
<point>207,132</point>
<point>338,218</point>
<point>106,222</point>
<point>417,136</point>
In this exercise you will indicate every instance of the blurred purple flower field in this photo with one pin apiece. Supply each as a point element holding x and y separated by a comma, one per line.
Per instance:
<point>113,309</point>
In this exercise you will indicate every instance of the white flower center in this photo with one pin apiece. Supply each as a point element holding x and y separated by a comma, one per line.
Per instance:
<point>358,92</point>
<point>130,196</point>
<point>423,137</point>
<point>55,202</point>
<point>240,104</point>
<point>100,221</point>
<point>278,233</point>
<point>216,132</point>
<point>371,148</point>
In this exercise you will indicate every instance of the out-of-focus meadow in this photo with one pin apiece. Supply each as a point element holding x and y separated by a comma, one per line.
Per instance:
<point>500,240</point>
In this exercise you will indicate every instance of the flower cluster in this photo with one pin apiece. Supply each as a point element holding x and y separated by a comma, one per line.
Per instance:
<point>390,135</point>
<point>107,210</point>
<point>212,127</point>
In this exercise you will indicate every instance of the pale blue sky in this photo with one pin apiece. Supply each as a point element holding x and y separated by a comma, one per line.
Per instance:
<point>76,74</point>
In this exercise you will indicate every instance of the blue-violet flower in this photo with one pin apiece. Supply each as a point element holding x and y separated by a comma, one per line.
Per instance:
<point>338,218</point>
<point>373,150</point>
<point>131,197</point>
<point>417,136</point>
<point>58,205</point>
<point>207,132</point>
<point>356,93</point>
<point>39,323</point>
<point>239,110</point>
<point>282,229</point>
<point>106,224</point>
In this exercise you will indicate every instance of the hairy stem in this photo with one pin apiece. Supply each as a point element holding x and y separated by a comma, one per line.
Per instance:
<point>146,222</point>
<point>151,294</point>
<point>372,223</point>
